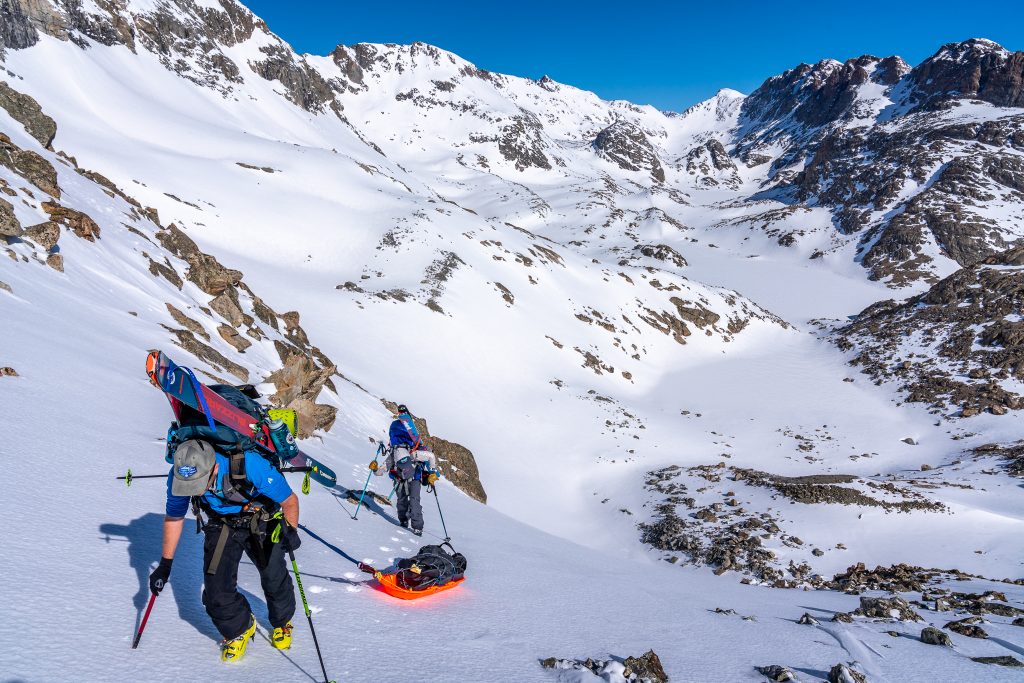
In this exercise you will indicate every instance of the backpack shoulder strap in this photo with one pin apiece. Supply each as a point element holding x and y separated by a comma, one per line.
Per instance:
<point>237,467</point>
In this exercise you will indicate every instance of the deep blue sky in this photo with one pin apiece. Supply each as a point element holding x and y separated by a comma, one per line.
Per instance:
<point>669,54</point>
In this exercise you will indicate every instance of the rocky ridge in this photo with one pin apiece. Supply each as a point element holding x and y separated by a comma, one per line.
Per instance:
<point>958,346</point>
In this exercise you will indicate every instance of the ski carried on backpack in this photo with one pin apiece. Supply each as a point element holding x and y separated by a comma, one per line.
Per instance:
<point>183,389</point>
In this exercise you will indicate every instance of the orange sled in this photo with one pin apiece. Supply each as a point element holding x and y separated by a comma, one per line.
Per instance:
<point>389,585</point>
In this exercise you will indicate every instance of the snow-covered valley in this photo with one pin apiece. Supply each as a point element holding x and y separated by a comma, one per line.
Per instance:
<point>635,320</point>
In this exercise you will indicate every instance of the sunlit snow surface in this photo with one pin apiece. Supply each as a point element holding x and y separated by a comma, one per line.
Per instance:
<point>79,544</point>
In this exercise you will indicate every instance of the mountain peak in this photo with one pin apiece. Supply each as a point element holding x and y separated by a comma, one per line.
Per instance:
<point>973,69</point>
<point>968,49</point>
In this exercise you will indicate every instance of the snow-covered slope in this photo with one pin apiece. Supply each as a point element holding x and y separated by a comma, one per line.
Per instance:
<point>623,313</point>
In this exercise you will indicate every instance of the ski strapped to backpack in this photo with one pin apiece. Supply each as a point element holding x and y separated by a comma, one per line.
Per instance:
<point>239,422</point>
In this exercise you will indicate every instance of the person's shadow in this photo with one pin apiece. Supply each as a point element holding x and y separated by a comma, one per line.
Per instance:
<point>145,538</point>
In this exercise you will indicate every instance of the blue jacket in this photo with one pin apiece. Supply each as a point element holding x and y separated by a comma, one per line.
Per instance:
<point>265,479</point>
<point>403,433</point>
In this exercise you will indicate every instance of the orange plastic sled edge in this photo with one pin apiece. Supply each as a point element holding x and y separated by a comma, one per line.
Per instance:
<point>388,585</point>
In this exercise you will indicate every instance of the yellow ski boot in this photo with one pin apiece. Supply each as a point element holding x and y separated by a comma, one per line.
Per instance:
<point>282,637</point>
<point>232,650</point>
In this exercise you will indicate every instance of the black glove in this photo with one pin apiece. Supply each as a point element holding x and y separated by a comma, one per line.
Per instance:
<point>291,538</point>
<point>158,579</point>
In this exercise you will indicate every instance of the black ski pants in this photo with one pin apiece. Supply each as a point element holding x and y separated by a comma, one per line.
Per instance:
<point>226,606</point>
<point>409,508</point>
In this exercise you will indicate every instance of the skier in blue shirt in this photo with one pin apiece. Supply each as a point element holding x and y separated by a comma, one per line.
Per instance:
<point>244,508</point>
<point>411,465</point>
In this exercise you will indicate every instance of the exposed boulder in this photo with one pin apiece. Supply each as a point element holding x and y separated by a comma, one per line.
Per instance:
<point>293,330</point>
<point>204,270</point>
<point>188,323</point>
<point>887,608</point>
<point>9,225</point>
<point>644,669</point>
<point>298,384</point>
<point>34,168</point>
<point>647,667</point>
<point>82,225</point>
<point>27,111</point>
<point>187,341</point>
<point>227,305</point>
<point>933,636</point>
<point>231,336</point>
<point>625,144</point>
<point>843,673</point>
<point>56,261</point>
<point>45,234</point>
<point>776,672</point>
<point>967,627</point>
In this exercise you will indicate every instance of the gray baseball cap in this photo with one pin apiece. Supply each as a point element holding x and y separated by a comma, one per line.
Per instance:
<point>193,462</point>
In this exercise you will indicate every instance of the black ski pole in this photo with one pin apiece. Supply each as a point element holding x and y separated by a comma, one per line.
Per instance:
<point>129,478</point>
<point>438,501</point>
<point>309,616</point>
<point>145,618</point>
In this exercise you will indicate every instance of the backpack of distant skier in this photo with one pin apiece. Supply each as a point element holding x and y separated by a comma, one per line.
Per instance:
<point>431,566</point>
<point>405,467</point>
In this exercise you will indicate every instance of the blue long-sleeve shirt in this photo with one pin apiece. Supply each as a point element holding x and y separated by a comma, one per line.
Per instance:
<point>265,479</point>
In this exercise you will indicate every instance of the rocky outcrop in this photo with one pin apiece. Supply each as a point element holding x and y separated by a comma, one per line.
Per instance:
<point>844,673</point>
<point>521,142</point>
<point>30,165</point>
<point>974,69</point>
<point>711,165</point>
<point>644,669</point>
<point>968,321</point>
<point>27,112</point>
<point>205,271</point>
<point>933,636</point>
<point>814,95</point>
<point>625,144</point>
<point>188,38</point>
<point>9,225</point>
<point>303,85</point>
<point>859,138</point>
<point>299,384</point>
<point>455,461</point>
<point>79,223</point>
<point>45,234</point>
<point>16,30</point>
<point>967,627</point>
<point>888,609</point>
<point>776,672</point>
<point>661,252</point>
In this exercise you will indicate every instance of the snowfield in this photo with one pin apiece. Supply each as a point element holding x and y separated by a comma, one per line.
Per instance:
<point>617,351</point>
